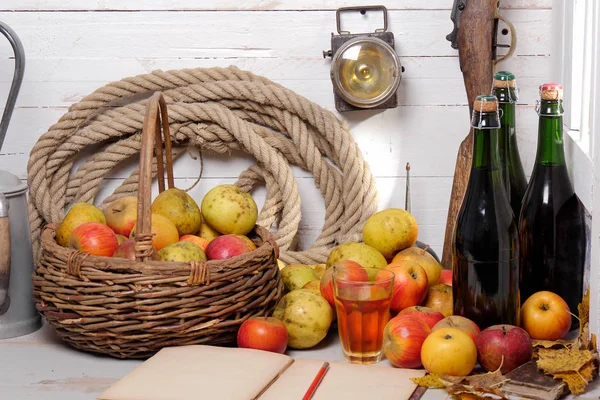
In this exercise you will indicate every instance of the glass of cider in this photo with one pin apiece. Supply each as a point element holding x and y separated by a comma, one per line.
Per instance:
<point>362,301</point>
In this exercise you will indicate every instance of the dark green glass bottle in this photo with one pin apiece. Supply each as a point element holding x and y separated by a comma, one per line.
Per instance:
<point>485,248</point>
<point>552,233</point>
<point>515,183</point>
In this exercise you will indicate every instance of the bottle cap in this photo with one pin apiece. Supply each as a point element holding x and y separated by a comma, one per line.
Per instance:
<point>551,91</point>
<point>485,103</point>
<point>504,79</point>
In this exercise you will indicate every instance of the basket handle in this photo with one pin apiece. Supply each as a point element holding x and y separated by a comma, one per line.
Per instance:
<point>152,139</point>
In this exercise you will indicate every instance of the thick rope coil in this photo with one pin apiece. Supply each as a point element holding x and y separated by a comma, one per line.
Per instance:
<point>218,109</point>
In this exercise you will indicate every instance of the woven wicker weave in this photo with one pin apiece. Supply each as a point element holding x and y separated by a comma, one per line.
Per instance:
<point>131,309</point>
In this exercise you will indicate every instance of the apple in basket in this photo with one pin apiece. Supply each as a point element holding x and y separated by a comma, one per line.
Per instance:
<point>263,333</point>
<point>226,246</point>
<point>229,211</point>
<point>121,215</point>
<point>94,238</point>
<point>200,241</point>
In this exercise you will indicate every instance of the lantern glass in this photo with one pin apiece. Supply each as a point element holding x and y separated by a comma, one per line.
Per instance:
<point>365,71</point>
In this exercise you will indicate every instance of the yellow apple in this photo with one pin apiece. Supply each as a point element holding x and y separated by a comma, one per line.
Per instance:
<point>121,215</point>
<point>183,251</point>
<point>229,211</point>
<point>180,208</point>
<point>449,351</point>
<point>424,259</point>
<point>390,231</point>
<point>165,232</point>
<point>78,214</point>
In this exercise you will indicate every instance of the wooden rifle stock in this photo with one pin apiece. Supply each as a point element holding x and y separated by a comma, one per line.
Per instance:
<point>475,38</point>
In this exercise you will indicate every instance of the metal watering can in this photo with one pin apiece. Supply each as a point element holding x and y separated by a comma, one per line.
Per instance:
<point>18,315</point>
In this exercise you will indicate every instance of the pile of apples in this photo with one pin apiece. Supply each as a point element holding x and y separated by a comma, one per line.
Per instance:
<point>421,332</point>
<point>181,230</point>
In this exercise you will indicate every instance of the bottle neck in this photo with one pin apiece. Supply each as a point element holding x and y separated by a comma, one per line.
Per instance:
<point>485,140</point>
<point>550,150</point>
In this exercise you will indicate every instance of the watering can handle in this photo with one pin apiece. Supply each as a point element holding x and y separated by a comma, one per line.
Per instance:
<point>17,78</point>
<point>4,254</point>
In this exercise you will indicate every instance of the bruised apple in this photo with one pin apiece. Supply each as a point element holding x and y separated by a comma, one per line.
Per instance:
<point>425,314</point>
<point>228,210</point>
<point>390,231</point>
<point>403,337</point>
<point>410,285</point>
<point>449,351</point>
<point>439,297</point>
<point>295,276</point>
<point>180,208</point>
<point>459,322</point>
<point>263,333</point>
<point>307,317</point>
<point>181,251</point>
<point>94,238</point>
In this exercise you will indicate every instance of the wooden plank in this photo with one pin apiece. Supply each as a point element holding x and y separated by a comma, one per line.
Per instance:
<point>151,35</point>
<point>426,80</point>
<point>239,5</point>
<point>427,137</point>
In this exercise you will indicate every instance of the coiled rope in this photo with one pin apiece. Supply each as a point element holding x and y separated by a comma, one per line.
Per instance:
<point>218,109</point>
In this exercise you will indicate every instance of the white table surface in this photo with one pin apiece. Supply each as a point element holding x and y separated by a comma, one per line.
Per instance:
<point>40,366</point>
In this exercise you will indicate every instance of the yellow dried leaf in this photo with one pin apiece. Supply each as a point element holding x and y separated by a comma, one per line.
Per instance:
<point>491,379</point>
<point>577,381</point>
<point>430,380</point>
<point>592,345</point>
<point>471,392</point>
<point>563,360</point>
<point>548,344</point>
<point>584,318</point>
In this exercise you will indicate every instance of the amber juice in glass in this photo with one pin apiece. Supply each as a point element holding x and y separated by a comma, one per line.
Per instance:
<point>363,309</point>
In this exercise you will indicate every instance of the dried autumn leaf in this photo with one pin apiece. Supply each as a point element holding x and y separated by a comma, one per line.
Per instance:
<point>584,318</point>
<point>577,381</point>
<point>472,392</point>
<point>592,345</point>
<point>562,360</point>
<point>549,344</point>
<point>430,381</point>
<point>490,380</point>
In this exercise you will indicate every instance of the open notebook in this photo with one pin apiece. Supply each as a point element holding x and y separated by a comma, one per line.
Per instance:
<point>207,372</point>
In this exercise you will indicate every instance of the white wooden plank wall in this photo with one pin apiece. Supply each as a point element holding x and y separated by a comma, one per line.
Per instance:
<point>76,46</point>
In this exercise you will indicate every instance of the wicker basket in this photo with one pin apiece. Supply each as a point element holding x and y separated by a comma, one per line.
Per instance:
<point>131,309</point>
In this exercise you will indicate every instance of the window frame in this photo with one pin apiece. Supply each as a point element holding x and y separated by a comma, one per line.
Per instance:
<point>577,65</point>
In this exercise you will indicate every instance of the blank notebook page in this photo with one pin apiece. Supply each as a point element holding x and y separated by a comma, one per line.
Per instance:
<point>200,372</point>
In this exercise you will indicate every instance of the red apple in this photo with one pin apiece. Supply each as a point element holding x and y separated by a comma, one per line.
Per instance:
<point>403,337</point>
<point>121,215</point>
<point>545,316</point>
<point>459,322</point>
<point>94,238</point>
<point>263,333</point>
<point>425,314</point>
<point>446,277</point>
<point>326,284</point>
<point>503,345</point>
<point>410,285</point>
<point>226,246</point>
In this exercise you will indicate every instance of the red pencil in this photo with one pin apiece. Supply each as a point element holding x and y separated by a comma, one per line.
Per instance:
<point>315,383</point>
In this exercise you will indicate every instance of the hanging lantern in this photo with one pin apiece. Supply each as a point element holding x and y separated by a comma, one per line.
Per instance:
<point>365,69</point>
